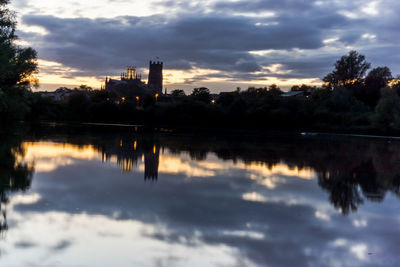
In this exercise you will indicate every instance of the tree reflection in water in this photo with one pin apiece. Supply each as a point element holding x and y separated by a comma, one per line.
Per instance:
<point>351,170</point>
<point>14,176</point>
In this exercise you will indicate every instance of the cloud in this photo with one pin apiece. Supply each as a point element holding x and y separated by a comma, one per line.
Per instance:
<point>221,36</point>
<point>102,45</point>
<point>25,244</point>
<point>291,224</point>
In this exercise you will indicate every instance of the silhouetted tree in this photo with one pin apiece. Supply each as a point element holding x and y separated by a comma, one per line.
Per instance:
<point>341,100</point>
<point>16,64</point>
<point>16,68</point>
<point>303,87</point>
<point>201,94</point>
<point>79,104</point>
<point>84,87</point>
<point>343,191</point>
<point>274,90</point>
<point>387,111</point>
<point>395,85</point>
<point>376,79</point>
<point>348,69</point>
<point>178,93</point>
<point>14,176</point>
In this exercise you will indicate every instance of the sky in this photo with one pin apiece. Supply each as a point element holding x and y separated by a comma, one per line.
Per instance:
<point>220,44</point>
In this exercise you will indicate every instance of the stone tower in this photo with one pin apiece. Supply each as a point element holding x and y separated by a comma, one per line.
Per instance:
<point>156,76</point>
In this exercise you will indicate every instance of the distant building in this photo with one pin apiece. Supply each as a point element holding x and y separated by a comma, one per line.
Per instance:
<point>129,154</point>
<point>131,83</point>
<point>151,162</point>
<point>295,94</point>
<point>59,94</point>
<point>156,76</point>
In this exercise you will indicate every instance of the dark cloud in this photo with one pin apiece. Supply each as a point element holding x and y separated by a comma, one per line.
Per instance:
<point>25,244</point>
<point>62,245</point>
<point>103,45</point>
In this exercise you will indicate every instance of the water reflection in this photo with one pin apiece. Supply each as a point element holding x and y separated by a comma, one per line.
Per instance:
<point>218,201</point>
<point>129,153</point>
<point>350,170</point>
<point>14,175</point>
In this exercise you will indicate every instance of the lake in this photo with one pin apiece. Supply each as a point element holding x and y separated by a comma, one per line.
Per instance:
<point>123,196</point>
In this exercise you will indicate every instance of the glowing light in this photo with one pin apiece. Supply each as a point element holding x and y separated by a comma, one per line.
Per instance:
<point>134,145</point>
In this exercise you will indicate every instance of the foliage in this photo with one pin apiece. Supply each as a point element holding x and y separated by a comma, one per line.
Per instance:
<point>17,66</point>
<point>178,93</point>
<point>201,94</point>
<point>387,111</point>
<point>376,79</point>
<point>348,69</point>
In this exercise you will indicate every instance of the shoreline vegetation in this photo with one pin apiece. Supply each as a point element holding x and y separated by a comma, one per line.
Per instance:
<point>353,99</point>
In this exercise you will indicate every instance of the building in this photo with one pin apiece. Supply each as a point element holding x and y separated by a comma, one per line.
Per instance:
<point>130,84</point>
<point>128,154</point>
<point>60,94</point>
<point>295,94</point>
<point>156,76</point>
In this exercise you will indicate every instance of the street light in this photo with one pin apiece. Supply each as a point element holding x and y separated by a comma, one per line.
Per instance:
<point>156,96</point>
<point>137,99</point>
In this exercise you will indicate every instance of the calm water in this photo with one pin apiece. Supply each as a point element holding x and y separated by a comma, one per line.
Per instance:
<point>123,198</point>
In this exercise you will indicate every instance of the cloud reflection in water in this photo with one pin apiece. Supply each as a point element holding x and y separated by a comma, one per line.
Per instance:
<point>87,210</point>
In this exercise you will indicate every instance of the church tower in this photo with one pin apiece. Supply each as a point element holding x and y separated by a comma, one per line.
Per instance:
<point>156,76</point>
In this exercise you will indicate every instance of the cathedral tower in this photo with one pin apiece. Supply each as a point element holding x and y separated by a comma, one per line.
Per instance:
<point>156,76</point>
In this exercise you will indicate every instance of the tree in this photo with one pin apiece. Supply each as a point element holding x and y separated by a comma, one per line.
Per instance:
<point>387,111</point>
<point>295,88</point>
<point>178,93</point>
<point>376,79</point>
<point>395,85</point>
<point>202,94</point>
<point>273,89</point>
<point>349,69</point>
<point>84,87</point>
<point>16,64</point>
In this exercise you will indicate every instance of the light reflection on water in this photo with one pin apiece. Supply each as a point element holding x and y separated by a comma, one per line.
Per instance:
<point>161,200</point>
